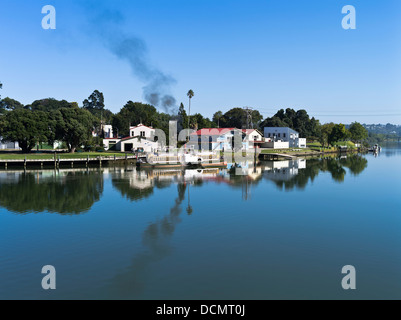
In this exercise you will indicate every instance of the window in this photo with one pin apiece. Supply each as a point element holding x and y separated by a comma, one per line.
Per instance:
<point>283,135</point>
<point>269,135</point>
<point>255,137</point>
<point>132,133</point>
<point>279,135</point>
<point>142,133</point>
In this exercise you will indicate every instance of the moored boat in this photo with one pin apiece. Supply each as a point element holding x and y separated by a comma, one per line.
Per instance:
<point>185,160</point>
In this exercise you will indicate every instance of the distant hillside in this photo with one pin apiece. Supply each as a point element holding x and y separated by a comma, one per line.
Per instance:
<point>383,132</point>
<point>386,129</point>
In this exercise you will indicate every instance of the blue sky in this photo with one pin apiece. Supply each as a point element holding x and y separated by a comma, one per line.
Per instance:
<point>262,54</point>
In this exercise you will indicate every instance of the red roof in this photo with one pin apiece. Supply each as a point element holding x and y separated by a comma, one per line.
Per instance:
<point>212,131</point>
<point>220,131</point>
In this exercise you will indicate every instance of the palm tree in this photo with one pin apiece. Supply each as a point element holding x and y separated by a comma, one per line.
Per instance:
<point>190,95</point>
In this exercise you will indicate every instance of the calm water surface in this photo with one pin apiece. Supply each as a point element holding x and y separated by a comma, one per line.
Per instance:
<point>280,230</point>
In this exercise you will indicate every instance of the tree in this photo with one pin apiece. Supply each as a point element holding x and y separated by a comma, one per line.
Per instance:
<point>134,113</point>
<point>95,105</point>
<point>358,132</point>
<point>216,118</point>
<point>27,127</point>
<point>55,193</point>
<point>182,117</point>
<point>273,122</point>
<point>190,95</point>
<point>296,120</point>
<point>233,118</point>
<point>237,118</point>
<point>338,133</point>
<point>256,119</point>
<point>315,129</point>
<point>325,133</point>
<point>199,122</point>
<point>50,104</point>
<point>95,101</point>
<point>74,126</point>
<point>8,104</point>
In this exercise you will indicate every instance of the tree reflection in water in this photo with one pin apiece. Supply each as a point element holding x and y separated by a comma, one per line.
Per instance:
<point>335,166</point>
<point>62,192</point>
<point>75,191</point>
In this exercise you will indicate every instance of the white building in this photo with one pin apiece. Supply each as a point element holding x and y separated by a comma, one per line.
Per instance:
<point>141,138</point>
<point>285,134</point>
<point>7,145</point>
<point>253,137</point>
<point>108,131</point>
<point>142,131</point>
<point>226,139</point>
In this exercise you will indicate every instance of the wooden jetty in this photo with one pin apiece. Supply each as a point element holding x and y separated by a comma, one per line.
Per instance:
<point>276,156</point>
<point>58,161</point>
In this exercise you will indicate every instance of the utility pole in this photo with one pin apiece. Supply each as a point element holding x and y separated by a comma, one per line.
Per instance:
<point>248,113</point>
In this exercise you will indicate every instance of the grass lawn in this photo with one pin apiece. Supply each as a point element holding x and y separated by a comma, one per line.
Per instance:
<point>33,156</point>
<point>288,151</point>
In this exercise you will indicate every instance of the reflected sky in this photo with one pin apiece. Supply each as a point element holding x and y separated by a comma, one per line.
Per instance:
<point>74,191</point>
<point>276,229</point>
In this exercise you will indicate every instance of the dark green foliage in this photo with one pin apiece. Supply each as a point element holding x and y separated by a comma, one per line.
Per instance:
<point>50,104</point>
<point>355,163</point>
<point>216,118</point>
<point>237,118</point>
<point>74,126</point>
<point>296,120</point>
<point>8,104</point>
<point>134,113</point>
<point>182,118</point>
<point>338,133</point>
<point>25,126</point>
<point>93,144</point>
<point>325,132</point>
<point>358,132</point>
<point>95,105</point>
<point>199,122</point>
<point>71,193</point>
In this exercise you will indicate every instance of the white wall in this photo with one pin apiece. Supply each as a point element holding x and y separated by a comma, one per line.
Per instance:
<point>142,131</point>
<point>106,143</point>
<point>301,143</point>
<point>276,145</point>
<point>147,145</point>
<point>108,131</point>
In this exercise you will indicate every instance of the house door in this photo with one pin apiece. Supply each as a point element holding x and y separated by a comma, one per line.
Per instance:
<point>128,147</point>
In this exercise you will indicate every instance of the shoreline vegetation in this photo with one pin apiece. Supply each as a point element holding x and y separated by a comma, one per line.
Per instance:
<point>311,150</point>
<point>77,128</point>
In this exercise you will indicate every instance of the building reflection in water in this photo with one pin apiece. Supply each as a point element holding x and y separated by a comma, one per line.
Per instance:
<point>74,191</point>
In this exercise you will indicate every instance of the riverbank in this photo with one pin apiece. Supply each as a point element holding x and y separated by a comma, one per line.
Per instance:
<point>54,160</point>
<point>291,152</point>
<point>7,155</point>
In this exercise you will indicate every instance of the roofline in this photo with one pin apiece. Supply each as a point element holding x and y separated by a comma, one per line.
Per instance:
<point>198,133</point>
<point>140,125</point>
<point>281,128</point>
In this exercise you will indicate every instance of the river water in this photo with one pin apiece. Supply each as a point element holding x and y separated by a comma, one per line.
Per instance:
<point>278,230</point>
